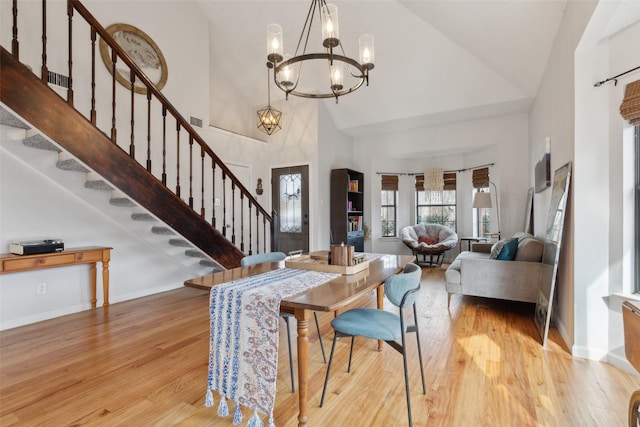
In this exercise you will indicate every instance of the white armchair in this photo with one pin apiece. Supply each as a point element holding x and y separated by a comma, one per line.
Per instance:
<point>429,239</point>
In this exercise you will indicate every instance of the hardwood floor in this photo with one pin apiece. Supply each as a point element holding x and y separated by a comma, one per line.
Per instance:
<point>145,363</point>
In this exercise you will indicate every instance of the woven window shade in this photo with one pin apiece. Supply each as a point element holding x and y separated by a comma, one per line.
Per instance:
<point>630,107</point>
<point>480,178</point>
<point>389,183</point>
<point>450,181</point>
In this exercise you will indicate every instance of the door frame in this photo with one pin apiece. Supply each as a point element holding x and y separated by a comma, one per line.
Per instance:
<point>313,206</point>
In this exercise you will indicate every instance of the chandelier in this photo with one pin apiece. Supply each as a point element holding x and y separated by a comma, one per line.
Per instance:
<point>287,68</point>
<point>269,117</point>
<point>434,179</point>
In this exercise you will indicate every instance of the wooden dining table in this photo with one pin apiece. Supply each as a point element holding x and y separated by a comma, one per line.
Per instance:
<point>330,296</point>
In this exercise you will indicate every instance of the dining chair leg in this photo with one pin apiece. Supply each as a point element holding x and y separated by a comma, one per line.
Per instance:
<point>406,378</point>
<point>326,378</point>
<point>293,382</point>
<point>415,316</point>
<point>350,354</point>
<point>324,358</point>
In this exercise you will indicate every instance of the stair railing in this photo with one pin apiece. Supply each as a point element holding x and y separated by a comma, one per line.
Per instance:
<point>242,219</point>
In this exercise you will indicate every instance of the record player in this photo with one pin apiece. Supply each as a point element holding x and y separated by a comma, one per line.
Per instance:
<point>36,247</point>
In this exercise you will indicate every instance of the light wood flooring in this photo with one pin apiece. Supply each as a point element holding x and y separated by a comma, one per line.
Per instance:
<point>145,363</point>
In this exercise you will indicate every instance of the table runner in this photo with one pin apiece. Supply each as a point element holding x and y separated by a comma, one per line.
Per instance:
<point>243,355</point>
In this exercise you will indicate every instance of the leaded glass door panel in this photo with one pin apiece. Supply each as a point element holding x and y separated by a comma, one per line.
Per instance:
<point>290,200</point>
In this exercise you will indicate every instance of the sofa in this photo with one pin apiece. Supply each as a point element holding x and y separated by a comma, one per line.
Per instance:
<point>429,240</point>
<point>510,269</point>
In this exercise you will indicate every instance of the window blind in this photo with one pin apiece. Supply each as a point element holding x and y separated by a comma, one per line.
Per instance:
<point>450,181</point>
<point>630,107</point>
<point>480,178</point>
<point>390,182</point>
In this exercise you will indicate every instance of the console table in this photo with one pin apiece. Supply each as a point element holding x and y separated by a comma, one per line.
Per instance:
<point>472,239</point>
<point>10,263</point>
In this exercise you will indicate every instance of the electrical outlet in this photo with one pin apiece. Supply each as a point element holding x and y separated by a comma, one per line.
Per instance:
<point>41,288</point>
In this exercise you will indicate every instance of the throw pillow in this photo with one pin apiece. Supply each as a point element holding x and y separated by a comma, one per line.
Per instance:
<point>529,249</point>
<point>427,240</point>
<point>508,252</point>
<point>496,249</point>
<point>520,235</point>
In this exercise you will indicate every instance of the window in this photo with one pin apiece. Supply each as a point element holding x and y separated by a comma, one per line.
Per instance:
<point>437,207</point>
<point>637,211</point>
<point>630,110</point>
<point>482,215</point>
<point>388,205</point>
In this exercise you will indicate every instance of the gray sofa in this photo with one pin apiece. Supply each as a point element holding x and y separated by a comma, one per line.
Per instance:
<point>477,273</point>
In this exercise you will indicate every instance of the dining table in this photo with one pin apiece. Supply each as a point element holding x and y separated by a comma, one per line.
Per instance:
<point>333,295</point>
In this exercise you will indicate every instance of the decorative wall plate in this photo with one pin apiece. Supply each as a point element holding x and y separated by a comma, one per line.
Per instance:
<point>142,50</point>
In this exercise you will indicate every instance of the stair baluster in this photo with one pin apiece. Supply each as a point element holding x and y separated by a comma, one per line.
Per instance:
<point>191,171</point>
<point>70,62</point>
<point>149,131</point>
<point>15,46</point>
<point>87,146</point>
<point>44,72</point>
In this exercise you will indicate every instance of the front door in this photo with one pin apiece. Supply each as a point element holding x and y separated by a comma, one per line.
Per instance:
<point>290,200</point>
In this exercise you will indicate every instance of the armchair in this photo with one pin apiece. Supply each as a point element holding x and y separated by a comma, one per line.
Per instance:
<point>429,239</point>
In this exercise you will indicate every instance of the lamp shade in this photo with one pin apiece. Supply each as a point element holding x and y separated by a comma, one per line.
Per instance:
<point>482,200</point>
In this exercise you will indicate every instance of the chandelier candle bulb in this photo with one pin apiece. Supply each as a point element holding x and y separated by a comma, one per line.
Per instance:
<point>330,32</point>
<point>287,74</point>
<point>274,43</point>
<point>337,76</point>
<point>367,52</point>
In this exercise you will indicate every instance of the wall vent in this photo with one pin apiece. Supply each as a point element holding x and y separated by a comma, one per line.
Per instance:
<point>58,79</point>
<point>195,121</point>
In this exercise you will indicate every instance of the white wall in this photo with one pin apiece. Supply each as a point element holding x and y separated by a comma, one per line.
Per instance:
<point>552,116</point>
<point>335,151</point>
<point>604,269</point>
<point>33,207</point>
<point>585,128</point>
<point>502,140</point>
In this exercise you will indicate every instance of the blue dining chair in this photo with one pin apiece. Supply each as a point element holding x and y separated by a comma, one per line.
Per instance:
<point>383,325</point>
<point>274,257</point>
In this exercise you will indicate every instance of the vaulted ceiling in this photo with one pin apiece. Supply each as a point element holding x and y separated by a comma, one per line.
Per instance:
<point>436,61</point>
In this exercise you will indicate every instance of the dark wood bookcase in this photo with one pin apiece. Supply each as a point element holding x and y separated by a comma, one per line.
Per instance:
<point>347,208</point>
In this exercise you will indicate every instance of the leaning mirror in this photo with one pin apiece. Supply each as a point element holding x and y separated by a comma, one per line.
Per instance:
<point>551,253</point>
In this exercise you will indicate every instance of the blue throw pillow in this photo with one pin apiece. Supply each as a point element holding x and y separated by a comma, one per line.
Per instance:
<point>508,252</point>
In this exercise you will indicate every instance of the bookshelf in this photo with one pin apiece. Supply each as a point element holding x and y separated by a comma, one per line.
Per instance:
<point>347,208</point>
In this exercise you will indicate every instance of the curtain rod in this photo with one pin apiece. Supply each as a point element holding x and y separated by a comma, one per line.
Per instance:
<point>420,173</point>
<point>615,78</point>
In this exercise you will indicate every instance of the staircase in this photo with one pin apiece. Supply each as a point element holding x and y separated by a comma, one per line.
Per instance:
<point>106,159</point>
<point>49,159</point>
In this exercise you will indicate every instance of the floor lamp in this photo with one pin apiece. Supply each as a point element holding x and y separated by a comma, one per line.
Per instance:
<point>482,199</point>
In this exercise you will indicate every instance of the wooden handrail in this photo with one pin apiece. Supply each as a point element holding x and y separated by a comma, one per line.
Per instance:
<point>104,34</point>
<point>190,140</point>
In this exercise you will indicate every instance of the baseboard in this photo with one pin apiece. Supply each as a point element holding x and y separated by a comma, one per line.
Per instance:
<point>566,337</point>
<point>622,363</point>
<point>39,317</point>
<point>589,353</point>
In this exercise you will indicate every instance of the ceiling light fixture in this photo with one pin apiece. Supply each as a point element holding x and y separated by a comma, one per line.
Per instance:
<point>269,117</point>
<point>434,179</point>
<point>287,69</point>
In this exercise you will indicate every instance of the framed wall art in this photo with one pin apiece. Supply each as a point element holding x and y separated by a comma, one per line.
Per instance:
<point>142,50</point>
